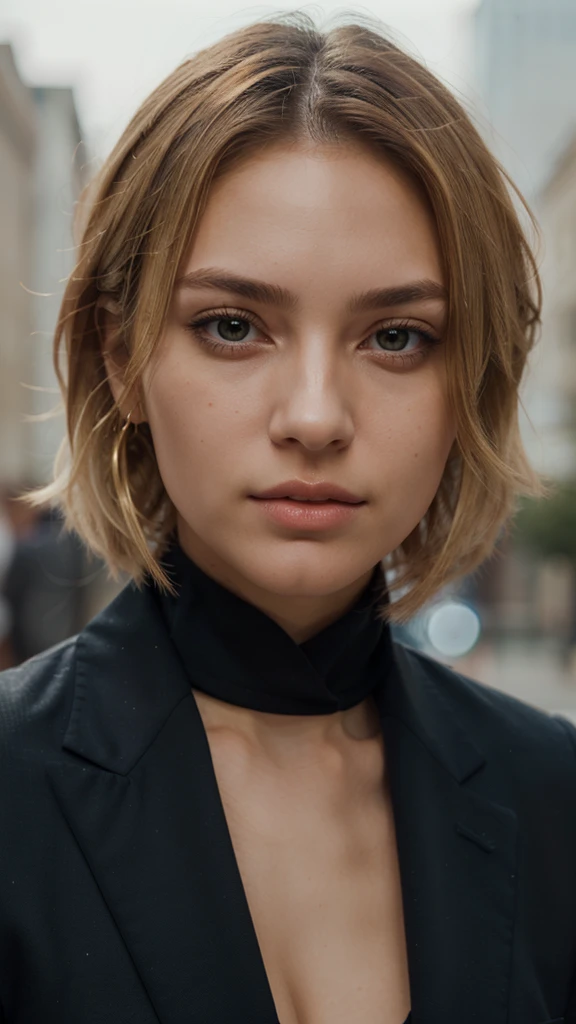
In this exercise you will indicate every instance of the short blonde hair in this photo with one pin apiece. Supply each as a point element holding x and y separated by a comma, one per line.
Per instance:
<point>275,80</point>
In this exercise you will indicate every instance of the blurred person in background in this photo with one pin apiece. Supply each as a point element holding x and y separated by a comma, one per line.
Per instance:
<point>294,342</point>
<point>42,579</point>
<point>7,544</point>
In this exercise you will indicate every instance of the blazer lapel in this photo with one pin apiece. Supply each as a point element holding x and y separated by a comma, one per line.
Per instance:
<point>141,798</point>
<point>137,787</point>
<point>457,852</point>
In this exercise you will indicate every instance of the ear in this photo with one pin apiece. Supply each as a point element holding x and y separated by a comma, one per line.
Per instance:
<point>116,355</point>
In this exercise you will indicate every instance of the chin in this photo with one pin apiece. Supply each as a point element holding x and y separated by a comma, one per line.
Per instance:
<point>304,568</point>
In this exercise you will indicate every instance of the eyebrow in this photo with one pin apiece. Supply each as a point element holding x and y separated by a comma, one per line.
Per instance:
<point>273,295</point>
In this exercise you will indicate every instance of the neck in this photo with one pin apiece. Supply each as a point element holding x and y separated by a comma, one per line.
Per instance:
<point>281,738</point>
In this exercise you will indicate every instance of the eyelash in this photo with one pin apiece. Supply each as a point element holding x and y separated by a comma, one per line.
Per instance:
<point>230,348</point>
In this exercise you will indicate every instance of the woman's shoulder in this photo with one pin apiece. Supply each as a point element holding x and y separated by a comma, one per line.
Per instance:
<point>35,700</point>
<point>511,732</point>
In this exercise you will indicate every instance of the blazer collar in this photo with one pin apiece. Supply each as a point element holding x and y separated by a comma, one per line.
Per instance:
<point>140,680</point>
<point>138,789</point>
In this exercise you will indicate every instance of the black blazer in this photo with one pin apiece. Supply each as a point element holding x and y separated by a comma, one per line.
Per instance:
<point>121,901</point>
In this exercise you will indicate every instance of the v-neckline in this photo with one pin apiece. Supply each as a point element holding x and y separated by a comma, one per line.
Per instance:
<point>246,906</point>
<point>138,792</point>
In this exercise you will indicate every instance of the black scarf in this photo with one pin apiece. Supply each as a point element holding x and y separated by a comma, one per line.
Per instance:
<point>234,651</point>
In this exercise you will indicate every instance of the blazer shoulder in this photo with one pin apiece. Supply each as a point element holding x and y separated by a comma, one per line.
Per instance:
<point>35,701</point>
<point>518,732</point>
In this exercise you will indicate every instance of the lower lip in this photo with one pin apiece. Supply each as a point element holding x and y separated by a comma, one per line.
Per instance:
<point>306,514</point>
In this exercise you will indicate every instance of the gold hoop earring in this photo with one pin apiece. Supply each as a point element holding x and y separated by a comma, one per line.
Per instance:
<point>119,471</point>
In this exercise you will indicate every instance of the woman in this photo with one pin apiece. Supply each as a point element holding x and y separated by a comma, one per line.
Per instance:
<point>293,345</point>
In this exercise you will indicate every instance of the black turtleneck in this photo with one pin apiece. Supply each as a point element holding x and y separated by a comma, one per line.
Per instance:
<point>234,651</point>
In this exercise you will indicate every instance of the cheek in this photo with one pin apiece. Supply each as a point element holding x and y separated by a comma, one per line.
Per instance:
<point>417,441</point>
<point>428,433</point>
<point>195,431</point>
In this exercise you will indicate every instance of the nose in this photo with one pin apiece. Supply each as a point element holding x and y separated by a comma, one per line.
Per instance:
<point>312,403</point>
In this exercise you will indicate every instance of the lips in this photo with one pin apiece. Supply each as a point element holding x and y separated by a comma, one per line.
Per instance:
<point>308,516</point>
<point>300,490</point>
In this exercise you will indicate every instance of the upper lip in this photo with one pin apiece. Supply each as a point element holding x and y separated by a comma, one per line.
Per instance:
<point>313,492</point>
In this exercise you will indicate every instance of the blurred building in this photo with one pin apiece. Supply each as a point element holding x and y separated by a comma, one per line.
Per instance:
<point>526,77</point>
<point>525,64</point>
<point>49,586</point>
<point>41,172</point>
<point>551,390</point>
<point>525,53</point>
<point>58,179</point>
<point>18,138</point>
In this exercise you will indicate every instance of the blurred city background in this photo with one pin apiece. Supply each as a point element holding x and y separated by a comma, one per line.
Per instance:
<point>71,75</point>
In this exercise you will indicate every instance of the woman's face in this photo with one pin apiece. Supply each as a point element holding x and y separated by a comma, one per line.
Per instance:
<point>307,382</point>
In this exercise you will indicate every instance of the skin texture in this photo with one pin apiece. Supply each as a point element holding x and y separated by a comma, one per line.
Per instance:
<point>318,394</point>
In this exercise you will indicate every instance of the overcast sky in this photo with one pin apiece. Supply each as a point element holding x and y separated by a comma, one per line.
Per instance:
<point>114,52</point>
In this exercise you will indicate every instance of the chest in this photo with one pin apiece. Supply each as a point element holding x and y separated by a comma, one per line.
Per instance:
<point>317,855</point>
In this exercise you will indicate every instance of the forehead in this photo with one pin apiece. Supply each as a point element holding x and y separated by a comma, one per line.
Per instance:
<point>343,210</point>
